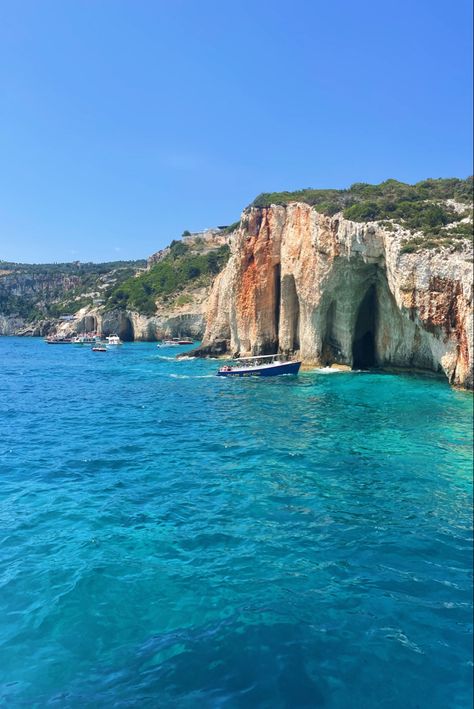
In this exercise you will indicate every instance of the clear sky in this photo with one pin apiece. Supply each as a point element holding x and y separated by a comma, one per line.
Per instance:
<point>124,122</point>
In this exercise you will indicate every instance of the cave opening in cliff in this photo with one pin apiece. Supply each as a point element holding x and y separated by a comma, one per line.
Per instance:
<point>363,347</point>
<point>276,295</point>
<point>88,324</point>
<point>289,297</point>
<point>330,349</point>
<point>126,332</point>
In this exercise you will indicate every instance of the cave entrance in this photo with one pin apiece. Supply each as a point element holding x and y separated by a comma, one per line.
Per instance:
<point>276,296</point>
<point>88,324</point>
<point>330,349</point>
<point>289,297</point>
<point>125,332</point>
<point>363,346</point>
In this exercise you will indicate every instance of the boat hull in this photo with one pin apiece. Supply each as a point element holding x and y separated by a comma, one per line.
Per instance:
<point>270,370</point>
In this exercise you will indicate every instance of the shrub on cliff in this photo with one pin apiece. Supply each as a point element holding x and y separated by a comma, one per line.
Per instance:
<point>229,229</point>
<point>415,204</point>
<point>174,272</point>
<point>55,289</point>
<point>178,248</point>
<point>454,236</point>
<point>413,215</point>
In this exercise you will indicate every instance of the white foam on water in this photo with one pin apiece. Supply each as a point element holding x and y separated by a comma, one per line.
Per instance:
<point>192,376</point>
<point>329,370</point>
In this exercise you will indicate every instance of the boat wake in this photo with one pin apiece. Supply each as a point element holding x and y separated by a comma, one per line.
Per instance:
<point>192,376</point>
<point>329,370</point>
<point>335,370</point>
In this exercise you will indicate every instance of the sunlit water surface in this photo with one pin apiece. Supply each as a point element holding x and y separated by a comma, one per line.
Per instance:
<point>173,539</point>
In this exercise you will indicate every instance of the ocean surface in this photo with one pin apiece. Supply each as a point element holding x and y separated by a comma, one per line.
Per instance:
<point>173,539</point>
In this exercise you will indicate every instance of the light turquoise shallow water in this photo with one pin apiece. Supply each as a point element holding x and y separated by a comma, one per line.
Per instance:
<point>173,539</point>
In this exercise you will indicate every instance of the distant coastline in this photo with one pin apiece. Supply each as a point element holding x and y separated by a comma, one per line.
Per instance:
<point>372,275</point>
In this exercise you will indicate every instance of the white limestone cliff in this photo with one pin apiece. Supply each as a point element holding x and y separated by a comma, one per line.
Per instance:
<point>334,291</point>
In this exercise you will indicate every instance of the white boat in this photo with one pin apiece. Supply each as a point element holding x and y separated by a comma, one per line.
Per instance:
<point>83,340</point>
<point>168,343</point>
<point>176,342</point>
<point>58,340</point>
<point>114,340</point>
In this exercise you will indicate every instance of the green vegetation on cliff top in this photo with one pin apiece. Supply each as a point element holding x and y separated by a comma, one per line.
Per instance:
<point>369,202</point>
<point>71,268</point>
<point>421,207</point>
<point>181,267</point>
<point>63,288</point>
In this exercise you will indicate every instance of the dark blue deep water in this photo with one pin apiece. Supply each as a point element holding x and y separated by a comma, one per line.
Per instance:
<point>172,539</point>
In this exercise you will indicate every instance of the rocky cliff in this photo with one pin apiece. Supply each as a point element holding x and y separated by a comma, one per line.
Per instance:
<point>24,294</point>
<point>34,298</point>
<point>331,290</point>
<point>171,320</point>
<point>163,297</point>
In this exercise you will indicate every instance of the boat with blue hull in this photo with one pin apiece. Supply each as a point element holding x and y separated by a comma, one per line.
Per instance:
<point>259,366</point>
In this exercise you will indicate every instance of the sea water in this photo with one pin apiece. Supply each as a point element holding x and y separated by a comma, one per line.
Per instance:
<point>170,538</point>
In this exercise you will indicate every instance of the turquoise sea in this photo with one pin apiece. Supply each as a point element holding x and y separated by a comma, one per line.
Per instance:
<point>174,539</point>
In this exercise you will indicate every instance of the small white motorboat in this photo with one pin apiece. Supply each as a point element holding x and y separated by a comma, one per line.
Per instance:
<point>114,340</point>
<point>168,343</point>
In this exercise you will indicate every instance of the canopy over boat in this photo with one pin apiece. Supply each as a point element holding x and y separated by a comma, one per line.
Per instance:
<point>260,365</point>
<point>113,340</point>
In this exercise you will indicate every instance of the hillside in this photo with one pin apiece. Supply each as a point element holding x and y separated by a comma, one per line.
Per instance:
<point>182,267</point>
<point>35,292</point>
<point>169,291</point>
<point>40,298</point>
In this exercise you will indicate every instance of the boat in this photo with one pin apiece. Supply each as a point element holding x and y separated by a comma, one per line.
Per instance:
<point>175,342</point>
<point>168,343</point>
<point>84,339</point>
<point>99,348</point>
<point>260,366</point>
<point>57,340</point>
<point>114,340</point>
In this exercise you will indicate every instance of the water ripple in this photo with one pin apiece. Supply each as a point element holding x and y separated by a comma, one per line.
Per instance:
<point>173,539</point>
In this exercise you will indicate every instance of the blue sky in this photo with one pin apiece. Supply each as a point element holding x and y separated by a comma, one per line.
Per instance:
<point>124,122</point>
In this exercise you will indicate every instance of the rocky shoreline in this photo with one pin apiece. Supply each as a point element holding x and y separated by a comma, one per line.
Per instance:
<point>333,291</point>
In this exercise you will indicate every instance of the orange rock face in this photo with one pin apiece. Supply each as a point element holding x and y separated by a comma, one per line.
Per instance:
<point>333,291</point>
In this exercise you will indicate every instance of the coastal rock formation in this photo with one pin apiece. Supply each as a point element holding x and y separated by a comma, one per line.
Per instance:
<point>130,325</point>
<point>17,288</point>
<point>13,325</point>
<point>36,299</point>
<point>168,298</point>
<point>330,290</point>
<point>171,320</point>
